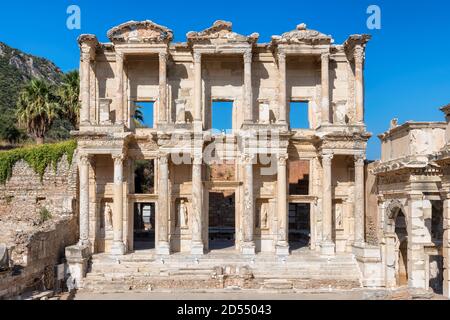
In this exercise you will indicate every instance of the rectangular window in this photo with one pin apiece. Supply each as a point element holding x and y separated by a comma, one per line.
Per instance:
<point>144,177</point>
<point>222,116</point>
<point>299,115</point>
<point>144,115</point>
<point>299,177</point>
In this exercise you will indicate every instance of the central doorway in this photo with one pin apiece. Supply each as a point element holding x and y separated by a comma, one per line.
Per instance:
<point>299,225</point>
<point>144,226</point>
<point>222,220</point>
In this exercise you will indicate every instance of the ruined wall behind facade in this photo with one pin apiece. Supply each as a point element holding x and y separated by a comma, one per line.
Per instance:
<point>38,220</point>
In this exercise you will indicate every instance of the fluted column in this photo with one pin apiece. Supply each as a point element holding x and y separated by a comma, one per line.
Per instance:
<point>446,246</point>
<point>327,246</point>
<point>163,112</point>
<point>83,168</point>
<point>359,200</point>
<point>197,247</point>
<point>120,88</point>
<point>248,221</point>
<point>325,88</point>
<point>198,87</point>
<point>163,247</point>
<point>85,76</point>
<point>283,87</point>
<point>248,112</point>
<point>283,225</point>
<point>118,246</point>
<point>359,87</point>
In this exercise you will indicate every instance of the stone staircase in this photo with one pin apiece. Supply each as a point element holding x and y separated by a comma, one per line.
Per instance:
<point>145,271</point>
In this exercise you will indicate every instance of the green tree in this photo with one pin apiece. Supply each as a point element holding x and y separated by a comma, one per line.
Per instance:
<point>138,117</point>
<point>37,108</point>
<point>69,93</point>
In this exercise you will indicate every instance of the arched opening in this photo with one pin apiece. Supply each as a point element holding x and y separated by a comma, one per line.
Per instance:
<point>402,249</point>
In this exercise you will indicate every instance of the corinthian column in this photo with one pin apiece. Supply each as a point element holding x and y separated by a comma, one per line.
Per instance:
<point>248,247</point>
<point>197,247</point>
<point>198,87</point>
<point>163,247</point>
<point>327,246</point>
<point>359,200</point>
<point>325,88</point>
<point>359,88</point>
<point>446,245</point>
<point>85,75</point>
<point>118,247</point>
<point>163,112</point>
<point>83,168</point>
<point>283,225</point>
<point>248,112</point>
<point>120,88</point>
<point>283,87</point>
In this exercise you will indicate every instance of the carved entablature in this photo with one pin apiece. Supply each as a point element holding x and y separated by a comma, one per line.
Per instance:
<point>302,35</point>
<point>220,33</point>
<point>89,40</point>
<point>346,142</point>
<point>140,32</point>
<point>410,165</point>
<point>394,179</point>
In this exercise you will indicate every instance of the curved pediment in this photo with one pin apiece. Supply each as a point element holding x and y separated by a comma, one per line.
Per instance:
<point>303,35</point>
<point>221,32</point>
<point>140,32</point>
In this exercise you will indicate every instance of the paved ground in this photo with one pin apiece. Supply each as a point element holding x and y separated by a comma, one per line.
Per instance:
<point>254,295</point>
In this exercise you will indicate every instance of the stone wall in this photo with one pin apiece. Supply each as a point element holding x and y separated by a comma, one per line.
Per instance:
<point>38,220</point>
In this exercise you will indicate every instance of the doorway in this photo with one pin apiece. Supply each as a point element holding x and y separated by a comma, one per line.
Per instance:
<point>144,226</point>
<point>222,220</point>
<point>299,225</point>
<point>402,251</point>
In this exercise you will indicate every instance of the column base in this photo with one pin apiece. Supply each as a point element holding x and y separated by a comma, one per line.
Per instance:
<point>327,249</point>
<point>163,249</point>
<point>282,249</point>
<point>197,249</point>
<point>248,249</point>
<point>118,248</point>
<point>77,257</point>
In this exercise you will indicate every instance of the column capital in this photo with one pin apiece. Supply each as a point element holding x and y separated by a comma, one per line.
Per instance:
<point>118,158</point>
<point>325,56</point>
<point>163,56</point>
<point>359,159</point>
<point>359,54</point>
<point>197,57</point>
<point>85,159</point>
<point>248,56</point>
<point>282,57</point>
<point>247,158</point>
<point>120,55</point>
<point>327,157</point>
<point>163,158</point>
<point>282,159</point>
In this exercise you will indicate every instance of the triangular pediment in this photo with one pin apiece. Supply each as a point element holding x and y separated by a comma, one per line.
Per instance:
<point>219,33</point>
<point>140,32</point>
<point>303,35</point>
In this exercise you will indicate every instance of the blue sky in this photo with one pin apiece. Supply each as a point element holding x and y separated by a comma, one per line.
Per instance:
<point>408,60</point>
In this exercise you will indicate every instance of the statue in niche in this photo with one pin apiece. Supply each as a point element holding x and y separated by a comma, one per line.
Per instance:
<point>183,215</point>
<point>108,216</point>
<point>339,220</point>
<point>264,216</point>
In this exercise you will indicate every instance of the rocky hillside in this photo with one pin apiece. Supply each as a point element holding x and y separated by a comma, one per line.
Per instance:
<point>16,69</point>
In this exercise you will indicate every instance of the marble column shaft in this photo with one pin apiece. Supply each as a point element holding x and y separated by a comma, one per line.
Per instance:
<point>283,87</point>
<point>84,200</point>
<point>282,202</point>
<point>163,112</point>
<point>120,88</point>
<point>248,112</point>
<point>359,200</point>
<point>197,207</point>
<point>248,221</point>
<point>446,246</point>
<point>198,87</point>
<point>327,198</point>
<point>325,88</point>
<point>118,243</point>
<point>163,203</point>
<point>359,86</point>
<point>85,75</point>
